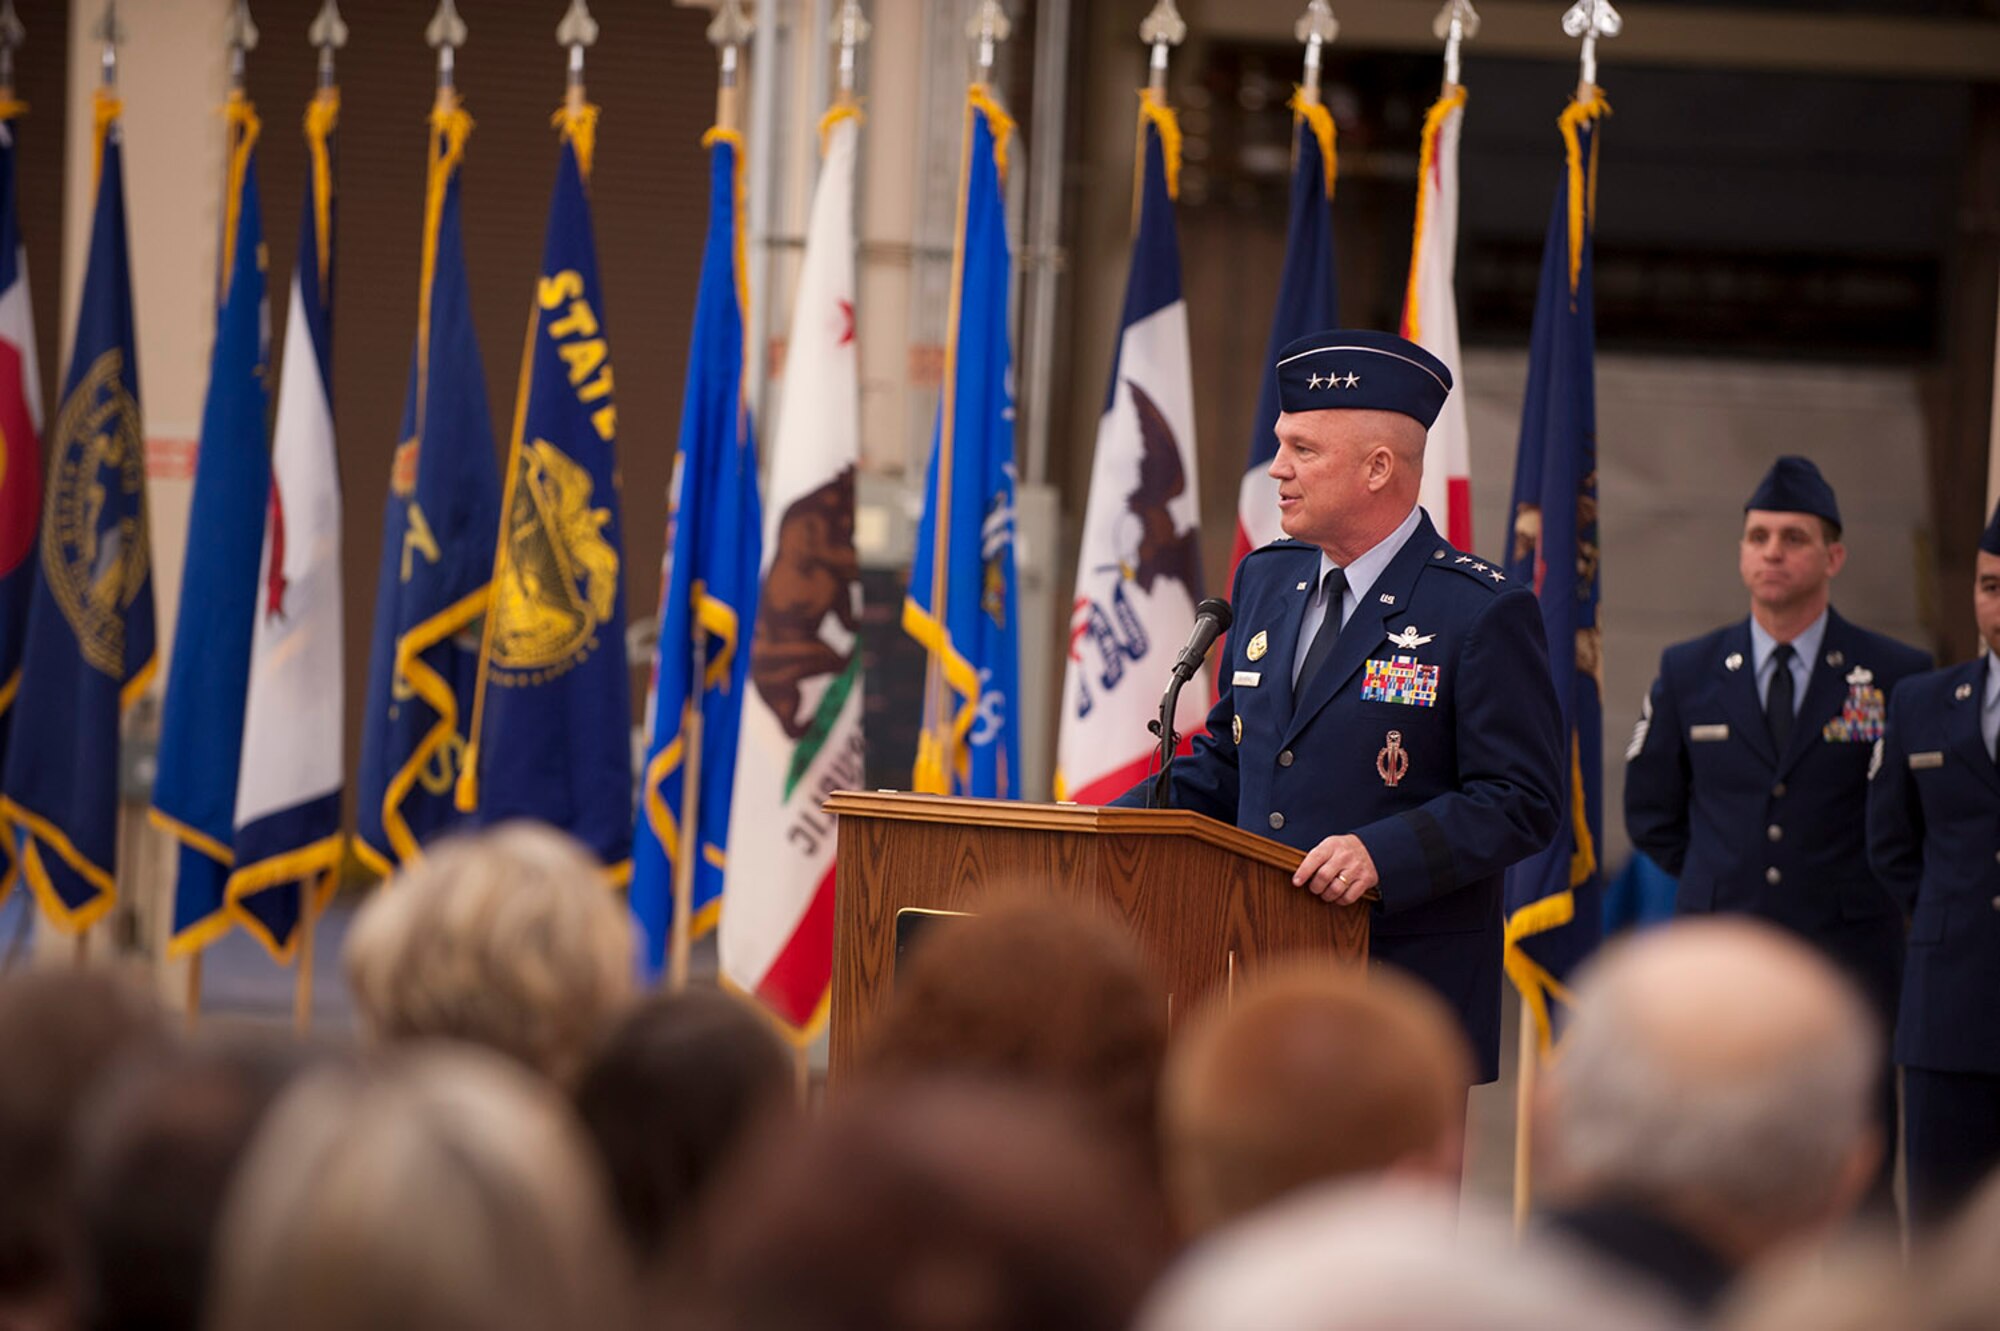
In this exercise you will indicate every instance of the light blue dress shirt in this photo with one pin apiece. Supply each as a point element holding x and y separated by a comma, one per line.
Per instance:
<point>1989,712</point>
<point>1805,651</point>
<point>1361,575</point>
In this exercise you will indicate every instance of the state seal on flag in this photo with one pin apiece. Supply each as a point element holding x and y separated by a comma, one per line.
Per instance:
<point>94,551</point>
<point>560,576</point>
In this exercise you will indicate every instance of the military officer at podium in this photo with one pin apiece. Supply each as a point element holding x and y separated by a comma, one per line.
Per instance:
<point>1385,702</point>
<point>1934,837</point>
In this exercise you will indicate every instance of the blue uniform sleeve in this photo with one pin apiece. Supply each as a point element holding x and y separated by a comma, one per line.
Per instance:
<point>1657,776</point>
<point>1509,799</point>
<point>1895,812</point>
<point>1205,777</point>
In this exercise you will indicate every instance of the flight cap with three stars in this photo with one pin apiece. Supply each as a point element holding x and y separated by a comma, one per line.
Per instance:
<point>1348,369</point>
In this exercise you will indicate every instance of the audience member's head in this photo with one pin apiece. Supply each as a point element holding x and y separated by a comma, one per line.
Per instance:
<point>440,1190</point>
<point>60,1031</point>
<point>1384,1257</point>
<point>1717,1075</point>
<point>507,938</point>
<point>1959,1278</point>
<point>669,1098</point>
<point>1858,1284</point>
<point>1043,996</point>
<point>1312,1073</point>
<point>158,1147</point>
<point>933,1207</point>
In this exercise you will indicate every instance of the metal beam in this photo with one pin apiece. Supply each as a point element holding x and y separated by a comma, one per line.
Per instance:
<point>1655,34</point>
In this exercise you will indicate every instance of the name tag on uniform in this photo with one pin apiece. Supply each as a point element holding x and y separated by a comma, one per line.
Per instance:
<point>1247,679</point>
<point>1919,761</point>
<point>1700,734</point>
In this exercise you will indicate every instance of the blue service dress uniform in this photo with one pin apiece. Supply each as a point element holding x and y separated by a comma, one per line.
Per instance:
<point>1779,836</point>
<point>1431,733</point>
<point>1934,837</point>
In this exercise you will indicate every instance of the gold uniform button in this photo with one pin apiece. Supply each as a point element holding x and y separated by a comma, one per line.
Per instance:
<point>1775,832</point>
<point>1778,791</point>
<point>1773,877</point>
<point>1285,758</point>
<point>1277,821</point>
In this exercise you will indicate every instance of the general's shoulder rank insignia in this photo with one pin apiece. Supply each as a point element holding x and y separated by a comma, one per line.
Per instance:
<point>1259,644</point>
<point>1400,679</point>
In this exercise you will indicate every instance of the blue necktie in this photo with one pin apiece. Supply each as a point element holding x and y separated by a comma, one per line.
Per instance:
<point>1778,710</point>
<point>1334,590</point>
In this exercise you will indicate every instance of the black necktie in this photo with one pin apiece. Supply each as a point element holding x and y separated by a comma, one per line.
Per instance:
<point>1778,701</point>
<point>1334,589</point>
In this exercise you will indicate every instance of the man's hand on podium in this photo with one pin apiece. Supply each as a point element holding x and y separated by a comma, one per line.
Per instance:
<point>1338,870</point>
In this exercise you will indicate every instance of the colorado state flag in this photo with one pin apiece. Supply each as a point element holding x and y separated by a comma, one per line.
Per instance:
<point>201,729</point>
<point>961,602</point>
<point>1553,910</point>
<point>552,731</point>
<point>20,446</point>
<point>88,653</point>
<point>708,599</point>
<point>437,547</point>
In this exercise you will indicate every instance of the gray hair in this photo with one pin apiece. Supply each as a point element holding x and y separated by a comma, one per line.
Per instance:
<point>443,1189</point>
<point>508,938</point>
<point>1764,1137</point>
<point>1376,1257</point>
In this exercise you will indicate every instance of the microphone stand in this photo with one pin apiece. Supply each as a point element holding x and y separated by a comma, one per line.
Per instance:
<point>1163,784</point>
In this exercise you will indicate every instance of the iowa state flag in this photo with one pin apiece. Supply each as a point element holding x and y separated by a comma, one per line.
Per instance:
<point>20,447</point>
<point>437,547</point>
<point>1138,572</point>
<point>708,600</point>
<point>201,727</point>
<point>801,737</point>
<point>552,734</point>
<point>1430,317</point>
<point>961,604</point>
<point>1553,910</point>
<point>88,652</point>
<point>287,816</point>
<point>1308,301</point>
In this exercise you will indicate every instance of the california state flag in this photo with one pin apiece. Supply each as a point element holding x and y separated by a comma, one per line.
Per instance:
<point>1430,317</point>
<point>801,728</point>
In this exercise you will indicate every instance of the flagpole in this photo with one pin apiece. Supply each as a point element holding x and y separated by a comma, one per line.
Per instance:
<point>1587,20</point>
<point>1162,30</point>
<point>446,32</point>
<point>1317,28</point>
<point>728,33</point>
<point>1456,24</point>
<point>12,37</point>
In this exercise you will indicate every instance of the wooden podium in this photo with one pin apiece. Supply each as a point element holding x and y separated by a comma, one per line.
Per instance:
<point>1206,901</point>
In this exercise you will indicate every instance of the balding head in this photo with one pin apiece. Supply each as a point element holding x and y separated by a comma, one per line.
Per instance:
<point>1314,1073</point>
<point>1719,1073</point>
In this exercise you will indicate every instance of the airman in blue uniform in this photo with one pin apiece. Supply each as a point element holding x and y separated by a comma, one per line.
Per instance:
<point>1747,774</point>
<point>1934,837</point>
<point>1385,702</point>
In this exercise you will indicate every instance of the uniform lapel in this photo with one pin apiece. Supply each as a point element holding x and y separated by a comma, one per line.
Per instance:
<point>1739,692</point>
<point>1281,636</point>
<point>1962,723</point>
<point>1826,689</point>
<point>1367,627</point>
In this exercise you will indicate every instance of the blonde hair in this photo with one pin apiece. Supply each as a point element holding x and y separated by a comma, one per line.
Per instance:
<point>506,938</point>
<point>443,1189</point>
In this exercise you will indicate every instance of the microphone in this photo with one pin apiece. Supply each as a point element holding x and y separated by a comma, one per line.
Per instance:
<point>1211,618</point>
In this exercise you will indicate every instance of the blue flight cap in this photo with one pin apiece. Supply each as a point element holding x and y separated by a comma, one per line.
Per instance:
<point>1794,485</point>
<point>1989,540</point>
<point>1346,369</point>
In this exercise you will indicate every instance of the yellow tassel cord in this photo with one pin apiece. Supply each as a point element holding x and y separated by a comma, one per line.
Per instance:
<point>836,113</point>
<point>717,134</point>
<point>1321,120</point>
<point>241,115</point>
<point>12,108</point>
<point>998,123</point>
<point>1441,111</point>
<point>1582,189</point>
<point>105,108</point>
<point>1155,112</point>
<point>1535,984</point>
<point>450,128</point>
<point>579,129</point>
<point>322,118</point>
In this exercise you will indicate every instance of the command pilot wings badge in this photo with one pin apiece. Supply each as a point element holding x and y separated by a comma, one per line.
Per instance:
<point>1409,639</point>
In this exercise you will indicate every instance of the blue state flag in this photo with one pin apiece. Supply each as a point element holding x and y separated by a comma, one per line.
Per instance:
<point>88,652</point>
<point>1554,910</point>
<point>1308,301</point>
<point>961,604</point>
<point>708,600</point>
<point>552,733</point>
<point>437,548</point>
<point>201,727</point>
